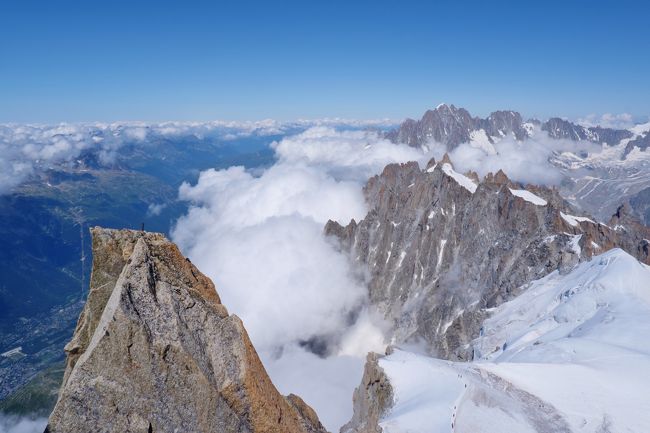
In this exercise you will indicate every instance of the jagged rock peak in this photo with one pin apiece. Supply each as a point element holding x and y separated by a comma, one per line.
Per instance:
<point>451,126</point>
<point>446,160</point>
<point>500,178</point>
<point>441,249</point>
<point>156,351</point>
<point>371,399</point>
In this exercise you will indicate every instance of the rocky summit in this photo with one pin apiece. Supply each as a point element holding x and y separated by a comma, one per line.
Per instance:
<point>156,351</point>
<point>440,249</point>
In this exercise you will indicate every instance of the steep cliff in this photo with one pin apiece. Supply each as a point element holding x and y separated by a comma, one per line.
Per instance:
<point>156,351</point>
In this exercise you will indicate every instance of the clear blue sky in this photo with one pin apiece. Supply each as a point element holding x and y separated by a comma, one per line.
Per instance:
<point>178,60</point>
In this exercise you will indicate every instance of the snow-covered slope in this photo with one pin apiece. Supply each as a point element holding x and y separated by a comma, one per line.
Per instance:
<point>571,353</point>
<point>601,181</point>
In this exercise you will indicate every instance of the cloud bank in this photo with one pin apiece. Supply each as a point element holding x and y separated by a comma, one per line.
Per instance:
<point>525,161</point>
<point>27,149</point>
<point>260,238</point>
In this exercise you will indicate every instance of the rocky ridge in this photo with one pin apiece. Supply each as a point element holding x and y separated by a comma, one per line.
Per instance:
<point>563,129</point>
<point>156,351</point>
<point>440,248</point>
<point>452,126</point>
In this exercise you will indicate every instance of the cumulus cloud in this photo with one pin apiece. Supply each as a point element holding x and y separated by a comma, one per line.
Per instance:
<point>260,238</point>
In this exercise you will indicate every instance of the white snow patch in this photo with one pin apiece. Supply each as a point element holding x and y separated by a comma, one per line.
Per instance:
<point>401,258</point>
<point>480,140</point>
<point>461,179</point>
<point>575,244</point>
<point>573,220</point>
<point>528,196</point>
<point>443,242</point>
<point>640,129</point>
<point>575,345</point>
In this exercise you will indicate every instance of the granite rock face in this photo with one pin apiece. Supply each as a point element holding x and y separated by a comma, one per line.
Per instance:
<point>439,248</point>
<point>156,351</point>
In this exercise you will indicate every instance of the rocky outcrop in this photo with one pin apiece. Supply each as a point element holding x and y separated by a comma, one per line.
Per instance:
<point>371,399</point>
<point>634,236</point>
<point>440,248</point>
<point>156,351</point>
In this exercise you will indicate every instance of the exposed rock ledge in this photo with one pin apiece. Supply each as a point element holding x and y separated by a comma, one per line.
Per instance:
<point>156,351</point>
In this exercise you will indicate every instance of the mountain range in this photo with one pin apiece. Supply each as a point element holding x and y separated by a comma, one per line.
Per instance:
<point>597,182</point>
<point>505,305</point>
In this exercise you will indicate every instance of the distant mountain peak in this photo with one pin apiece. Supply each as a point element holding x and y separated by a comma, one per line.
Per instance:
<point>452,126</point>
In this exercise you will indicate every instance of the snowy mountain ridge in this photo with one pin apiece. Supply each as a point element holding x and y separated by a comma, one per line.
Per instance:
<point>600,166</point>
<point>567,355</point>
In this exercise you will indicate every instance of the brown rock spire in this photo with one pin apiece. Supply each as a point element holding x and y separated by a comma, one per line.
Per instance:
<point>156,351</point>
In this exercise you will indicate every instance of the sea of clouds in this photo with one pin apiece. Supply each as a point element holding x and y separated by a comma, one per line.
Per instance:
<point>259,234</point>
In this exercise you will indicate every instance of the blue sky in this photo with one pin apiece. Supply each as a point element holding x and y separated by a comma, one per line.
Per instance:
<point>194,60</point>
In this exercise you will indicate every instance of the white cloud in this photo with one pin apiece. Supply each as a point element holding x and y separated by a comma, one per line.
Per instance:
<point>10,424</point>
<point>355,155</point>
<point>26,149</point>
<point>526,161</point>
<point>260,238</point>
<point>154,209</point>
<point>326,384</point>
<point>608,120</point>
